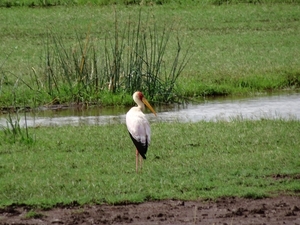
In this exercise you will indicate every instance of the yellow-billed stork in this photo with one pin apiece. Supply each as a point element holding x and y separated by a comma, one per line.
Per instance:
<point>138,127</point>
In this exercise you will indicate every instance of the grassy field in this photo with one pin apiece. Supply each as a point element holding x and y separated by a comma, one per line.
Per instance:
<point>234,48</point>
<point>205,160</point>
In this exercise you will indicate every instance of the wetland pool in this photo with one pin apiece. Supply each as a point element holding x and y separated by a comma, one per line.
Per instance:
<point>285,106</point>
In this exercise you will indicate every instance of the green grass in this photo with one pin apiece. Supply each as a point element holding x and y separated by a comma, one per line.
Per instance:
<point>46,3</point>
<point>205,160</point>
<point>33,214</point>
<point>235,48</point>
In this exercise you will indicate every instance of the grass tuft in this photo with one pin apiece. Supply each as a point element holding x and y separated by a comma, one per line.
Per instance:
<point>32,214</point>
<point>13,133</point>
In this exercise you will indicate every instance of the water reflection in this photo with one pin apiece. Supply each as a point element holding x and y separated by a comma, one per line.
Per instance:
<point>276,106</point>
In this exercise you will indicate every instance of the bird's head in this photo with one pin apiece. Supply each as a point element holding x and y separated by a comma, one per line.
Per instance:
<point>139,95</point>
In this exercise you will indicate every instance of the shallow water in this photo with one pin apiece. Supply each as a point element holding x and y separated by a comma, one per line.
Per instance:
<point>285,106</point>
<point>276,106</point>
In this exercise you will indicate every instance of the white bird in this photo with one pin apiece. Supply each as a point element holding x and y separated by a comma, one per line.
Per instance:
<point>139,128</point>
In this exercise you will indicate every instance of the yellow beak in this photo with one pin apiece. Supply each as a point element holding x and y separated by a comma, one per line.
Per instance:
<point>144,100</point>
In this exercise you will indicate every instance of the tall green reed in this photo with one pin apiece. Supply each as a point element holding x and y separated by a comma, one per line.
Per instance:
<point>148,68</point>
<point>134,56</point>
<point>71,72</point>
<point>13,132</point>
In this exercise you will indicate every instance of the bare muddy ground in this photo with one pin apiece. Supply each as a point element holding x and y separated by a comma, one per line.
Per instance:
<point>278,210</point>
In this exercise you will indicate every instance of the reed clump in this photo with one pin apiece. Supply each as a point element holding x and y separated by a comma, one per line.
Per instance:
<point>134,56</point>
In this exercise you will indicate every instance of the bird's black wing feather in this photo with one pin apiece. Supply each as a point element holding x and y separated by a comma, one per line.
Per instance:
<point>142,148</point>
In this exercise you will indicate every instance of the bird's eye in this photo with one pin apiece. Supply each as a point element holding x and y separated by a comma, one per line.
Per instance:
<point>141,96</point>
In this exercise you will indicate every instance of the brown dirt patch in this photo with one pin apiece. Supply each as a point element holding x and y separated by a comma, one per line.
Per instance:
<point>278,210</point>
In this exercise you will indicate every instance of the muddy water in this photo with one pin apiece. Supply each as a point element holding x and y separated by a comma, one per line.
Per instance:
<point>285,106</point>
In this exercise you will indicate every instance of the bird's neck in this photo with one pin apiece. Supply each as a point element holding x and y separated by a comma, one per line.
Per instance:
<point>140,104</point>
<point>141,107</point>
